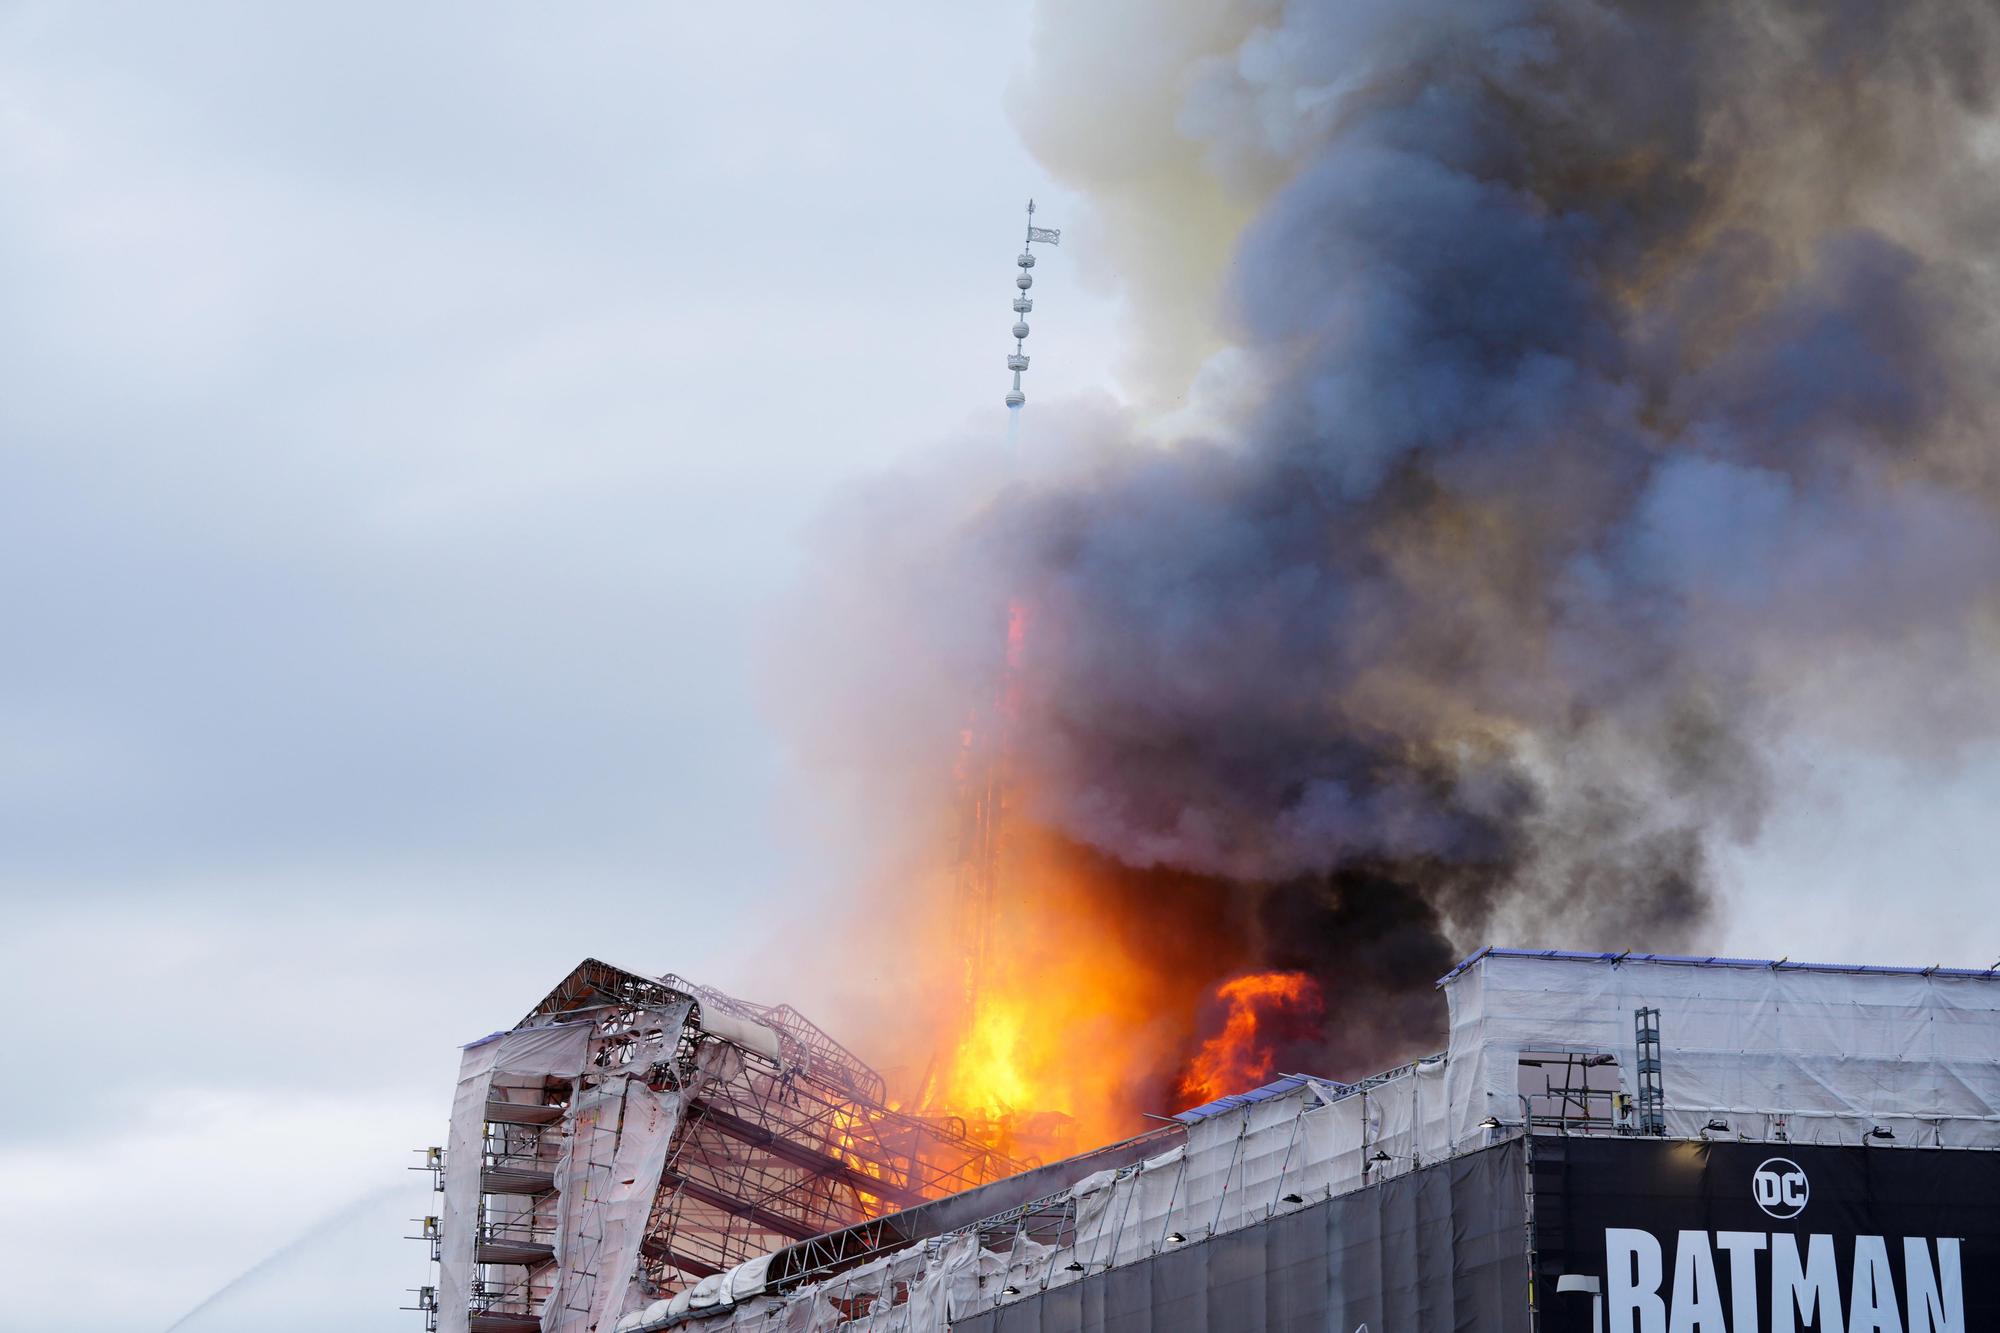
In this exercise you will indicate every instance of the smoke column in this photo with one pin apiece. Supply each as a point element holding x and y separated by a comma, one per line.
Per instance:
<point>1591,395</point>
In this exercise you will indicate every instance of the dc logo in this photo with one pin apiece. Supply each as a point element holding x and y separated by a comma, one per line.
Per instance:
<point>1780,1188</point>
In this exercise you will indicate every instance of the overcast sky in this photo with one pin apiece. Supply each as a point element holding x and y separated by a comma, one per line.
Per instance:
<point>409,419</point>
<point>411,415</point>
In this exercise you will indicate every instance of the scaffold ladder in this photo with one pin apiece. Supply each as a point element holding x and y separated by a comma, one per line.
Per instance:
<point>1652,1092</point>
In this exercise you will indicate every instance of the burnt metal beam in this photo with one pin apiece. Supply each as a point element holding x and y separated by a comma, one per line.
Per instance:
<point>657,1251</point>
<point>764,1218</point>
<point>799,1155</point>
<point>835,1250</point>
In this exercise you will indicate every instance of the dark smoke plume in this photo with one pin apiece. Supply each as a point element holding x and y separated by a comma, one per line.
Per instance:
<point>1593,390</point>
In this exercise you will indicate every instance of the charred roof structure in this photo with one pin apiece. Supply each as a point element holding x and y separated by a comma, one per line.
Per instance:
<point>1609,1141</point>
<point>638,1134</point>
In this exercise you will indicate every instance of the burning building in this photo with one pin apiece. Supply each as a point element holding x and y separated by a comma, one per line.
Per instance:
<point>1561,425</point>
<point>638,1134</point>
<point>1564,416</point>
<point>1622,1142</point>
<point>1595,404</point>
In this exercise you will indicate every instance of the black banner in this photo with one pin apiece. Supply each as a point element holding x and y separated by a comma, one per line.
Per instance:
<point>1654,1237</point>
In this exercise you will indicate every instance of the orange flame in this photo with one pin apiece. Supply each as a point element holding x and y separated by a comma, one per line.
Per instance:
<point>1096,1005</point>
<point>1042,1064</point>
<point>1265,1009</point>
<point>1058,1013</point>
<point>1082,1019</point>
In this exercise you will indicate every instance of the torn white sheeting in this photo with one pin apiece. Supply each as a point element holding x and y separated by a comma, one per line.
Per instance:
<point>610,1173</point>
<point>950,1280</point>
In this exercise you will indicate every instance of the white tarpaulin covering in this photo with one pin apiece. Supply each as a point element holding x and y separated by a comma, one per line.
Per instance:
<point>750,1035</point>
<point>610,1172</point>
<point>1821,1054</point>
<point>549,1052</point>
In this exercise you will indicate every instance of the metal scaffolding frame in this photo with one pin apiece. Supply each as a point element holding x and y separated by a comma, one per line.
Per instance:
<point>783,1136</point>
<point>777,1151</point>
<point>1579,1092</point>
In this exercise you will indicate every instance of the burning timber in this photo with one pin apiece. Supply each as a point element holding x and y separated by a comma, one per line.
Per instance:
<point>1627,1142</point>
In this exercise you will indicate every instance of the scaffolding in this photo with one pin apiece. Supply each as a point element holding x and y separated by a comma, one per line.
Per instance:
<point>1572,1092</point>
<point>778,1134</point>
<point>791,1145</point>
<point>981,772</point>
<point>1652,1091</point>
<point>984,780</point>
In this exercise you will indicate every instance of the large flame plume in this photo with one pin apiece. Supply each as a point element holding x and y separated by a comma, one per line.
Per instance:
<point>1571,400</point>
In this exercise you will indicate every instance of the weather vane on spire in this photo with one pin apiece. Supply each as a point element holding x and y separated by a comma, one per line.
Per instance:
<point>1018,361</point>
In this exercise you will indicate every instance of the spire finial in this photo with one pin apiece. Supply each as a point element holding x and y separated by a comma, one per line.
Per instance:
<point>1018,362</point>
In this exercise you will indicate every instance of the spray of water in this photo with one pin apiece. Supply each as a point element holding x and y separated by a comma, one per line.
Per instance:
<point>291,1249</point>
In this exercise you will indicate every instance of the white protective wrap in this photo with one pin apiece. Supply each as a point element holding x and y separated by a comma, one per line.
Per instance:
<point>619,1133</point>
<point>1830,1054</point>
<point>459,1219</point>
<point>557,1052</point>
<point>747,1033</point>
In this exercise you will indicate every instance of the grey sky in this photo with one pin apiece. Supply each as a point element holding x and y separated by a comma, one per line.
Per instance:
<point>410,415</point>
<point>410,418</point>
